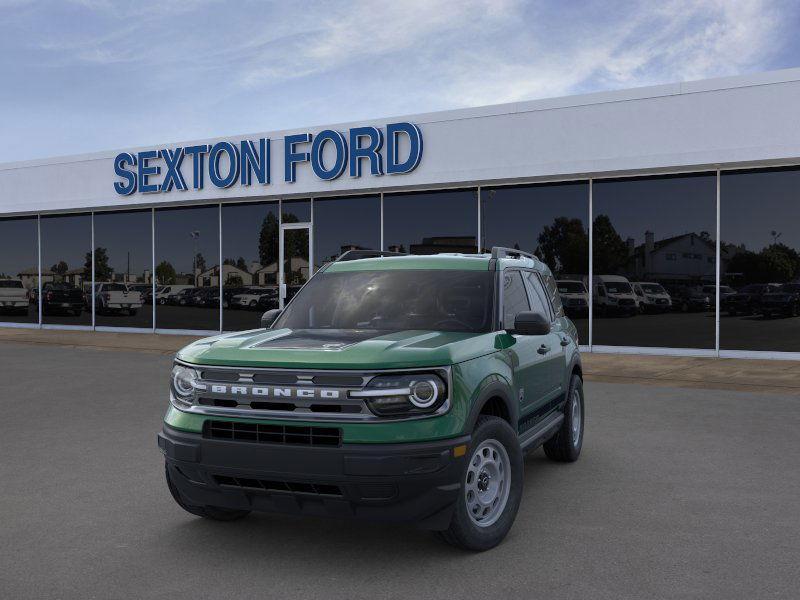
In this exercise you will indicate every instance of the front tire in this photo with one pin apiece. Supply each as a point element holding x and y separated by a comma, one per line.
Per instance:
<point>491,488</point>
<point>214,513</point>
<point>566,444</point>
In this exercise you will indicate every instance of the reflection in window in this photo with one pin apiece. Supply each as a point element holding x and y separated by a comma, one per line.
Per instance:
<point>760,260</point>
<point>296,211</point>
<point>123,266</point>
<point>187,269</point>
<point>431,222</point>
<point>342,224</point>
<point>67,269</point>
<point>515,298</point>
<point>552,221</point>
<point>648,232</point>
<point>19,270</point>
<point>249,263</point>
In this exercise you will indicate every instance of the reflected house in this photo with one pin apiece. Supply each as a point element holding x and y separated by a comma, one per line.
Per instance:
<point>73,276</point>
<point>687,258</point>
<point>210,277</point>
<point>30,277</point>
<point>268,276</point>
<point>465,244</point>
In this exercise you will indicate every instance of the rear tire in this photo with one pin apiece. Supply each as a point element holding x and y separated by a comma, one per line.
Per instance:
<point>566,444</point>
<point>215,513</point>
<point>491,488</point>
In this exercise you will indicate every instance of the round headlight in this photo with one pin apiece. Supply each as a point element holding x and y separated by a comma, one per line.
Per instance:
<point>423,393</point>
<point>183,379</point>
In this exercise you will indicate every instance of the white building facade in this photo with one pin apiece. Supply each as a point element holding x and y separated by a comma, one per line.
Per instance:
<point>610,183</point>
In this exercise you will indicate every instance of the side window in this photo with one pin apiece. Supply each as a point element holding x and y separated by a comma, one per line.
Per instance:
<point>551,286</point>
<point>539,302</point>
<point>515,299</point>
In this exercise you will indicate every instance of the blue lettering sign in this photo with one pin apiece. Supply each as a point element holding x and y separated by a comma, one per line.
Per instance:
<point>331,152</point>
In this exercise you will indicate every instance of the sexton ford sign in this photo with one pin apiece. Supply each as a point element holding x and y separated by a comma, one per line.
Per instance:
<point>225,164</point>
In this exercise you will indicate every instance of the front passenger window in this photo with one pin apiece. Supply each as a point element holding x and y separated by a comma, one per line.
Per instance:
<point>515,299</point>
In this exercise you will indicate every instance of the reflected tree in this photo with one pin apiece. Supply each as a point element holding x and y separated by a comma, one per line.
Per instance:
<point>564,246</point>
<point>60,268</point>
<point>610,252</point>
<point>102,270</point>
<point>165,273</point>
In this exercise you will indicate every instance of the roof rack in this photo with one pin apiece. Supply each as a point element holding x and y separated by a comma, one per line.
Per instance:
<point>501,252</point>
<point>358,254</point>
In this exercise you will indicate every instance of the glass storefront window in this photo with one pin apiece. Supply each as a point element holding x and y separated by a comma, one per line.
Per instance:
<point>342,224</point>
<point>249,263</point>
<point>431,222</point>
<point>552,221</point>
<point>19,270</point>
<point>296,211</point>
<point>187,269</point>
<point>654,261</point>
<point>760,260</point>
<point>123,266</point>
<point>67,269</point>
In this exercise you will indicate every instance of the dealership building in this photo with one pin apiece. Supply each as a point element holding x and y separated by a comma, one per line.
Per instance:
<point>669,214</point>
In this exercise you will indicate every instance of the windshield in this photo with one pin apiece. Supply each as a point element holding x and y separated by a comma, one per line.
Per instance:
<point>394,301</point>
<point>10,283</point>
<point>571,287</point>
<point>653,288</point>
<point>617,287</point>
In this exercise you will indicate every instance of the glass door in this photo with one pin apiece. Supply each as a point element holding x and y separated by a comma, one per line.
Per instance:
<point>294,262</point>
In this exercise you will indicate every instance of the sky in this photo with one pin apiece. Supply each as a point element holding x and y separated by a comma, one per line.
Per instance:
<point>88,75</point>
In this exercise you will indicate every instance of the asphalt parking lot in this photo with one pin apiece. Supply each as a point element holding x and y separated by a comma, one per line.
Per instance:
<point>680,493</point>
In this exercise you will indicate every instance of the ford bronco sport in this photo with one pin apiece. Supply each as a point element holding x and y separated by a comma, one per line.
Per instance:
<point>399,388</point>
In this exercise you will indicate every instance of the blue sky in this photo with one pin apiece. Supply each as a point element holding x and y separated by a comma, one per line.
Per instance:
<point>85,75</point>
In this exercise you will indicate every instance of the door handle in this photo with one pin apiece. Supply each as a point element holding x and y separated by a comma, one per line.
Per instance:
<point>543,349</point>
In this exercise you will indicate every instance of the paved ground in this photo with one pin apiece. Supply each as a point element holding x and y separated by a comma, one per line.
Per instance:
<point>679,494</point>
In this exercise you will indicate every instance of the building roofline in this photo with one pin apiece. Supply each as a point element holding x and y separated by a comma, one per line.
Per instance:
<point>716,84</point>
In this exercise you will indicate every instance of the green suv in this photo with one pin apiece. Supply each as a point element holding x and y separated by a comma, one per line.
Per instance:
<point>398,388</point>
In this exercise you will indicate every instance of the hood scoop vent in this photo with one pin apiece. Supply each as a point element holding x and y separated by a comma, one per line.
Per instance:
<point>319,339</point>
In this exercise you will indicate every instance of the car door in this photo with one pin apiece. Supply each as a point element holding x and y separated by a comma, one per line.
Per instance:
<point>554,356</point>
<point>527,360</point>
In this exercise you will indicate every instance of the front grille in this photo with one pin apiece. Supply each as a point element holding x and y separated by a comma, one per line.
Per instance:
<point>626,302</point>
<point>291,487</point>
<point>264,433</point>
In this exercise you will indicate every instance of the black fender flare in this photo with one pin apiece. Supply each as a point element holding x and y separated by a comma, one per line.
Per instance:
<point>491,388</point>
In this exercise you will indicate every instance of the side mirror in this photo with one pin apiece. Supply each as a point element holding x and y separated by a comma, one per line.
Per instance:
<point>269,317</point>
<point>531,323</point>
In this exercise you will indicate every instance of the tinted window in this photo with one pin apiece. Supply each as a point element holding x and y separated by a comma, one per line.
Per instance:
<point>759,217</point>
<point>67,260</point>
<point>296,211</point>
<point>431,222</point>
<point>552,221</point>
<point>187,256</point>
<point>655,230</point>
<point>537,296</point>
<point>342,224</point>
<point>250,263</point>
<point>19,266</point>
<point>123,254</point>
<point>515,298</point>
<point>394,301</point>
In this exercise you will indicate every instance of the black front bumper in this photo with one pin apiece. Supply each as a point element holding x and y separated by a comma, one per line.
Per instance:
<point>405,483</point>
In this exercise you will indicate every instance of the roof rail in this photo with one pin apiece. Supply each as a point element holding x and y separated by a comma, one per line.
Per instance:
<point>358,254</point>
<point>501,252</point>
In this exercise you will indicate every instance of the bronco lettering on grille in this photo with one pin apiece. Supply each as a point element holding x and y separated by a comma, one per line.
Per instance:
<point>275,392</point>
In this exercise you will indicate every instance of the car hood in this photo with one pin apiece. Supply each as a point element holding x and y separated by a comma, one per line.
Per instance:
<point>340,349</point>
